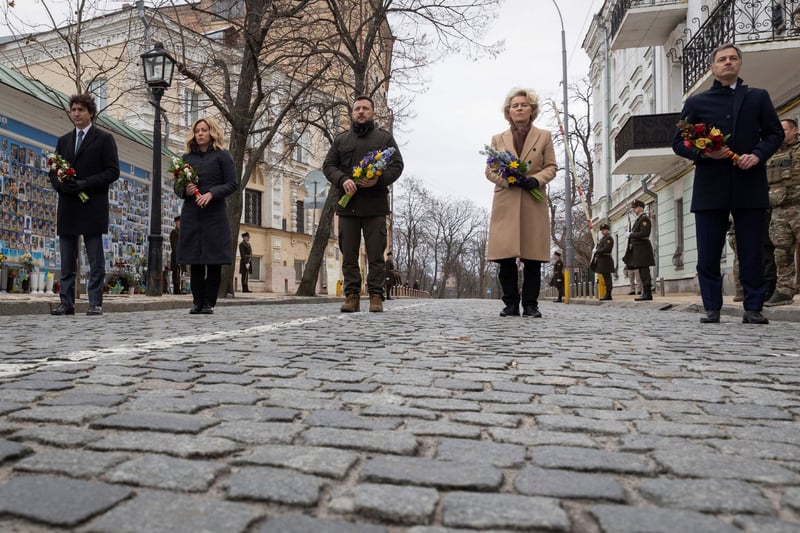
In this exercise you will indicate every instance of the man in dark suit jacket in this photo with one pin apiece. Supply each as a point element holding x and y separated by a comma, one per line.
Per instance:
<point>724,186</point>
<point>245,258</point>
<point>92,152</point>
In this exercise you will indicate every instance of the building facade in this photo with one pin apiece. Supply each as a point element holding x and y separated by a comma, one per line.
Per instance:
<point>647,57</point>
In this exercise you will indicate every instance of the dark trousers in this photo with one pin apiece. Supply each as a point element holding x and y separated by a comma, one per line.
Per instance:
<point>711,228</point>
<point>244,275</point>
<point>609,283</point>
<point>646,279</point>
<point>205,280</point>
<point>374,230</point>
<point>68,245</point>
<point>176,281</point>
<point>531,281</point>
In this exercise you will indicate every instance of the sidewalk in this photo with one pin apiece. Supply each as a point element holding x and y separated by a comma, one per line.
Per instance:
<point>40,304</point>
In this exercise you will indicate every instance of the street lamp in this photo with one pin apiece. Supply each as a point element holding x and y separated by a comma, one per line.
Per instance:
<point>567,182</point>
<point>158,67</point>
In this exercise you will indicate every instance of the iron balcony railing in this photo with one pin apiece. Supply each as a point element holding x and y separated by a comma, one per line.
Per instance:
<point>646,131</point>
<point>619,10</point>
<point>739,22</point>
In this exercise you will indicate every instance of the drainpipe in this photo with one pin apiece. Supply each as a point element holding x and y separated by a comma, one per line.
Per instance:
<point>654,196</point>
<point>606,108</point>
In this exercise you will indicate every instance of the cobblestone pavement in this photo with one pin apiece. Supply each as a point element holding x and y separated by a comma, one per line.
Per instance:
<point>435,416</point>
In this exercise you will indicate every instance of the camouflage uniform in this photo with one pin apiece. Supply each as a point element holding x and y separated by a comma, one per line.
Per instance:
<point>783,174</point>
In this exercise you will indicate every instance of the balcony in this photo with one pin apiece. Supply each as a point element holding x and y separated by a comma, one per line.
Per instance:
<point>641,23</point>
<point>767,32</point>
<point>644,145</point>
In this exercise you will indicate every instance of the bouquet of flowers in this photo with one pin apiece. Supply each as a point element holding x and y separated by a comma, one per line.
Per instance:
<point>703,138</point>
<point>184,174</point>
<point>64,171</point>
<point>2,260</point>
<point>508,166</point>
<point>27,262</point>
<point>371,167</point>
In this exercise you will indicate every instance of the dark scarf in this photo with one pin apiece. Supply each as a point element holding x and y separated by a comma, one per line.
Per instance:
<point>519,133</point>
<point>362,129</point>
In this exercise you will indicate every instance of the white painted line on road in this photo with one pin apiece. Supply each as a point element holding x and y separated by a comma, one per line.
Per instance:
<point>163,344</point>
<point>11,369</point>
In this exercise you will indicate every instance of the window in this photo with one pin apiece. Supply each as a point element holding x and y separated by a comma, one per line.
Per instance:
<point>99,89</point>
<point>300,147</point>
<point>298,270</point>
<point>229,8</point>
<point>191,107</point>
<point>677,256</point>
<point>255,265</point>
<point>252,207</point>
<point>301,217</point>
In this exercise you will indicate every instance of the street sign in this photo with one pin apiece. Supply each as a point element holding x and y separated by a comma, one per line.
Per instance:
<point>315,182</point>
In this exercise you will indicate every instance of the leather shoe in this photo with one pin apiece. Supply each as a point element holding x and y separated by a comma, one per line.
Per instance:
<point>94,310</point>
<point>207,310</point>
<point>531,310</point>
<point>195,310</point>
<point>510,310</point>
<point>631,293</point>
<point>712,317</point>
<point>605,299</point>
<point>754,317</point>
<point>62,310</point>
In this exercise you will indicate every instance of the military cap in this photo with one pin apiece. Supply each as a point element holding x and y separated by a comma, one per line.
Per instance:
<point>637,203</point>
<point>557,253</point>
<point>177,218</point>
<point>605,226</point>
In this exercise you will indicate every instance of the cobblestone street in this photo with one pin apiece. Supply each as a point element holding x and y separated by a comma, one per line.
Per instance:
<point>435,416</point>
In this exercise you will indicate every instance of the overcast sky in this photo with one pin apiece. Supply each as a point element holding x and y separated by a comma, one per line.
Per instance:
<point>460,111</point>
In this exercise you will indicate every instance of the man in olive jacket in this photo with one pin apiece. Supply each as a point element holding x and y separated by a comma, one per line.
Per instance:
<point>367,209</point>
<point>92,152</point>
<point>725,186</point>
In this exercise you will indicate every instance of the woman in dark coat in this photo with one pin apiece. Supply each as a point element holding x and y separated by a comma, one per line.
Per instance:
<point>205,238</point>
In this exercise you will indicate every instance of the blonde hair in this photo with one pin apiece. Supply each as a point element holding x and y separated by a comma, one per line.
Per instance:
<point>217,141</point>
<point>533,100</point>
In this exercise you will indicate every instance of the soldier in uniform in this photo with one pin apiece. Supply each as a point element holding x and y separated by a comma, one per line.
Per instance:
<point>641,253</point>
<point>783,175</point>
<point>604,263</point>
<point>557,279</point>
<point>245,258</point>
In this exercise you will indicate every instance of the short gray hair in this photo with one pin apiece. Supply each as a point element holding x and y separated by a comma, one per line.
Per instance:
<point>713,56</point>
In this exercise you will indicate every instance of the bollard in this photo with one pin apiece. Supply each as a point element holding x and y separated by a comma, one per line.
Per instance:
<point>286,285</point>
<point>661,282</point>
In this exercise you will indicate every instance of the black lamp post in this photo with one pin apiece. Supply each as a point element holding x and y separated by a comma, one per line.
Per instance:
<point>158,66</point>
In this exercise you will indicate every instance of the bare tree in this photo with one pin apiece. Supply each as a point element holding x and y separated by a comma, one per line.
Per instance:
<point>71,41</point>
<point>580,146</point>
<point>454,223</point>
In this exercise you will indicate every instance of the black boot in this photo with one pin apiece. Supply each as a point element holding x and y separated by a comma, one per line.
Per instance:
<point>510,285</point>
<point>647,294</point>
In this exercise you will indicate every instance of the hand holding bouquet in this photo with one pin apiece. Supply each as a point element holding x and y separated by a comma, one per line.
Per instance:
<point>512,169</point>
<point>371,167</point>
<point>184,174</point>
<point>64,172</point>
<point>704,138</point>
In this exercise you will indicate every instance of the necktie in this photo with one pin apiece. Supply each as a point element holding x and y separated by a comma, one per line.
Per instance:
<point>79,141</point>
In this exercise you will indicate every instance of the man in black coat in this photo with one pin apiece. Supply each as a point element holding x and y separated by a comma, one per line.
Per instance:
<point>92,152</point>
<point>557,279</point>
<point>604,262</point>
<point>641,256</point>
<point>367,209</point>
<point>245,256</point>
<point>174,266</point>
<point>726,186</point>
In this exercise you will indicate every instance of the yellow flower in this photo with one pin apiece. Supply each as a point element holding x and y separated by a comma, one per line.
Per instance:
<point>512,179</point>
<point>357,172</point>
<point>702,142</point>
<point>370,174</point>
<point>378,155</point>
<point>715,132</point>
<point>514,164</point>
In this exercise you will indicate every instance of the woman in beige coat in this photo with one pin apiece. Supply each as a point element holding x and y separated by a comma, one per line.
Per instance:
<point>520,224</point>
